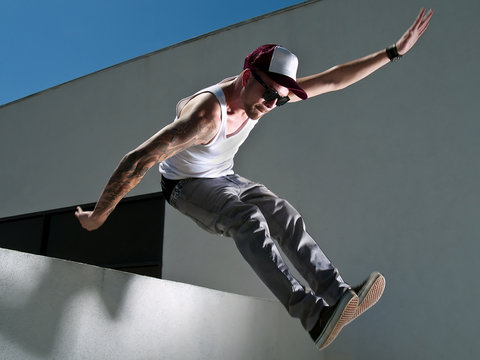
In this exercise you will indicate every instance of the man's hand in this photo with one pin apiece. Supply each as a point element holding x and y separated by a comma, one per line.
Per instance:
<point>415,31</point>
<point>88,220</point>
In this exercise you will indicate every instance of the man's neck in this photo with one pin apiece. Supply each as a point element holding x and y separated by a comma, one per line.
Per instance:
<point>232,91</point>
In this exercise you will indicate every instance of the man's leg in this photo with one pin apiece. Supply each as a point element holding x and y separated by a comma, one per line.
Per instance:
<point>287,226</point>
<point>215,206</point>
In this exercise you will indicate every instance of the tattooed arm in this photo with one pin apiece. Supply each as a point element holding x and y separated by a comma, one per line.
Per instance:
<point>197,124</point>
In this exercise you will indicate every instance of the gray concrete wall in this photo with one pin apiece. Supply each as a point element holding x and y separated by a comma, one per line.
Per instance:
<point>385,172</point>
<point>55,309</point>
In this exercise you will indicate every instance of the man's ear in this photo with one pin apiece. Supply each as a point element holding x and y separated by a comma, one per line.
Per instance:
<point>245,76</point>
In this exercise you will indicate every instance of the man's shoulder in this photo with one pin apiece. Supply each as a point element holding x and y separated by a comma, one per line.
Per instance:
<point>205,104</point>
<point>209,96</point>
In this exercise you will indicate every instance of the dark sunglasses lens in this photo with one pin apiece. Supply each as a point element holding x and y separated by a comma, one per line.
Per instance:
<point>270,94</point>
<point>282,100</point>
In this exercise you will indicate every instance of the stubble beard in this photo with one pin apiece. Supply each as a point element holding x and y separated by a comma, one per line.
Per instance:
<point>253,112</point>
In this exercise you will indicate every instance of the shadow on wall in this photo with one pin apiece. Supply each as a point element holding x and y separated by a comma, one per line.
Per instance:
<point>35,305</point>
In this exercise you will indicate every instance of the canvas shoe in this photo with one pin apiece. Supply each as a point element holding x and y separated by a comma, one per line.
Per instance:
<point>333,319</point>
<point>369,292</point>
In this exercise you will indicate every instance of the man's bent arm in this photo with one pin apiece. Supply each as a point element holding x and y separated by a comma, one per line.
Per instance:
<point>198,124</point>
<point>341,76</point>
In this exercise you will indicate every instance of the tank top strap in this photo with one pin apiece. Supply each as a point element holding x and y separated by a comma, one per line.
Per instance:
<point>217,91</point>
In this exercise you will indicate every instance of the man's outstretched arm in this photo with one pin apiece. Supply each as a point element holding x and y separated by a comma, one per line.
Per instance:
<point>198,124</point>
<point>341,76</point>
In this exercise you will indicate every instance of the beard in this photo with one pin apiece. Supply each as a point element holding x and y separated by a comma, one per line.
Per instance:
<point>253,103</point>
<point>255,111</point>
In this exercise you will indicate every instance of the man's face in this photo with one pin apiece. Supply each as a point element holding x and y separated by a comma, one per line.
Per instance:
<point>255,105</point>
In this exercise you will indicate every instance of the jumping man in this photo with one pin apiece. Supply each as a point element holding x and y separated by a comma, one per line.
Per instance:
<point>195,155</point>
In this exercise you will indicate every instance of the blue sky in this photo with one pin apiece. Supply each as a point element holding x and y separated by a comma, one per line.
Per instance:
<point>46,43</point>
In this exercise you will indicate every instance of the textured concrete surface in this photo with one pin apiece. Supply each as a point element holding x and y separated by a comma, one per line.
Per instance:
<point>56,309</point>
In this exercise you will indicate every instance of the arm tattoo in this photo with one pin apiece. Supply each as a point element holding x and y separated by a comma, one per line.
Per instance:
<point>133,167</point>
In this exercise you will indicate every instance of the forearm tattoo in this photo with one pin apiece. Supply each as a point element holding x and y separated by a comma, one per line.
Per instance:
<point>133,167</point>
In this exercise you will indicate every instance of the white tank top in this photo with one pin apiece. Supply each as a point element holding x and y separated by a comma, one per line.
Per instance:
<point>214,159</point>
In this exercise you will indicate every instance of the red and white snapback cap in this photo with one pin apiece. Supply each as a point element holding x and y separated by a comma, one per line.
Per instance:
<point>279,63</point>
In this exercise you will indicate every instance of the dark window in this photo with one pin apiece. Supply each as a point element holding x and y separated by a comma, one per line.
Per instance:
<point>130,240</point>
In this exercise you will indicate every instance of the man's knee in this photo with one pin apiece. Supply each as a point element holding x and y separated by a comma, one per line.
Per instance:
<point>248,222</point>
<point>287,223</point>
<point>249,216</point>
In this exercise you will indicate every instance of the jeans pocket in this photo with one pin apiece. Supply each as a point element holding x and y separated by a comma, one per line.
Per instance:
<point>177,192</point>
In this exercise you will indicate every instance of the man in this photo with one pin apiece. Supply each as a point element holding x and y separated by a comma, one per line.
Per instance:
<point>196,151</point>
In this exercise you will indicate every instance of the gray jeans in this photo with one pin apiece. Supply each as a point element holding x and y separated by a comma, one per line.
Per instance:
<point>252,215</point>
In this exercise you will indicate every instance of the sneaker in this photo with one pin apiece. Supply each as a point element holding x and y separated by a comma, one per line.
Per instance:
<point>333,319</point>
<point>369,293</point>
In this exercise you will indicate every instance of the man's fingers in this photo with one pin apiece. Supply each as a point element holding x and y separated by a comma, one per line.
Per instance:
<point>423,30</point>
<point>419,18</point>
<point>422,19</point>
<point>420,15</point>
<point>426,19</point>
<point>425,22</point>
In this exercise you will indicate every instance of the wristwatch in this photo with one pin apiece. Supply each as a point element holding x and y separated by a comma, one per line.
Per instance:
<point>392,53</point>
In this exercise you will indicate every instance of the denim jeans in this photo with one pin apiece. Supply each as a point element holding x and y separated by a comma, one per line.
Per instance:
<point>253,216</point>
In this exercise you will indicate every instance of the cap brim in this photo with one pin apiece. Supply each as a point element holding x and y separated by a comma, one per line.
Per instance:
<point>289,83</point>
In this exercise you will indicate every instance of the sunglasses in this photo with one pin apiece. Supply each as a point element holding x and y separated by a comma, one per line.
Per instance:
<point>271,94</point>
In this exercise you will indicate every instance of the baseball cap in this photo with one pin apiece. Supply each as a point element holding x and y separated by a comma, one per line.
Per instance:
<point>279,63</point>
